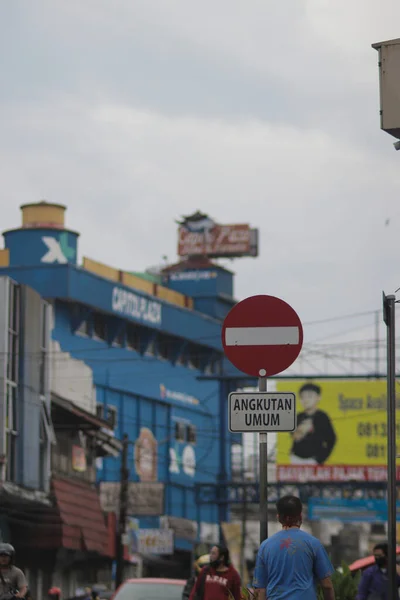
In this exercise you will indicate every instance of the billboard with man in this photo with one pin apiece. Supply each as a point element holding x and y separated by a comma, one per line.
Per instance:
<point>341,432</point>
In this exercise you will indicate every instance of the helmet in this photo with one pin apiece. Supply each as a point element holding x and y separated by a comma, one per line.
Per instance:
<point>7,550</point>
<point>201,562</point>
<point>54,592</point>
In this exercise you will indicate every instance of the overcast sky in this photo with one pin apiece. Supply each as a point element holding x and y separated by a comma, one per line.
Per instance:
<point>134,112</point>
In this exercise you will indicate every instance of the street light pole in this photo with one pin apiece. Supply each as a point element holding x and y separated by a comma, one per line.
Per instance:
<point>389,303</point>
<point>123,506</point>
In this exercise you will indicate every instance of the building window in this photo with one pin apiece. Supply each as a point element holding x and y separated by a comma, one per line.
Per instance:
<point>119,339</point>
<point>167,346</point>
<point>100,411</point>
<point>42,454</point>
<point>99,326</point>
<point>13,307</point>
<point>11,431</point>
<point>112,416</point>
<point>133,338</point>
<point>83,328</point>
<point>11,425</point>
<point>47,423</point>
<point>191,434</point>
<point>214,367</point>
<point>180,360</point>
<point>151,348</point>
<point>46,436</point>
<point>180,431</point>
<point>44,348</point>
<point>194,357</point>
<point>13,332</point>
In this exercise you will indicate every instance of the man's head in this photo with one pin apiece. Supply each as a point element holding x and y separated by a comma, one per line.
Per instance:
<point>219,557</point>
<point>289,509</point>
<point>310,396</point>
<point>7,554</point>
<point>381,554</point>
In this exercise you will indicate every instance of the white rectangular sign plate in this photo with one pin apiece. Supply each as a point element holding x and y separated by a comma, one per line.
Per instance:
<point>262,411</point>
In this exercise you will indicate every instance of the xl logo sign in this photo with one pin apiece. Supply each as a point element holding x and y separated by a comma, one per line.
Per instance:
<point>58,250</point>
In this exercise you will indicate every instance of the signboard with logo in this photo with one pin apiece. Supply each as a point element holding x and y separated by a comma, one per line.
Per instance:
<point>146,463</point>
<point>129,304</point>
<point>201,236</point>
<point>192,275</point>
<point>33,247</point>
<point>341,432</point>
<point>167,394</point>
<point>58,249</point>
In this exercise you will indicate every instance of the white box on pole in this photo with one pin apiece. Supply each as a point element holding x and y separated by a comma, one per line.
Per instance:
<point>262,411</point>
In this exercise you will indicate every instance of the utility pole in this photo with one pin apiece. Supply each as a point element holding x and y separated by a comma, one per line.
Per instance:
<point>123,505</point>
<point>377,361</point>
<point>263,466</point>
<point>389,303</point>
<point>243,540</point>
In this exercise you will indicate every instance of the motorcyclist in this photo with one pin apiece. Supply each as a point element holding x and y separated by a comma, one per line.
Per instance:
<point>12,579</point>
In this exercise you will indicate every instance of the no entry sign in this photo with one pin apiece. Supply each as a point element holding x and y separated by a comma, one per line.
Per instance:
<point>262,336</point>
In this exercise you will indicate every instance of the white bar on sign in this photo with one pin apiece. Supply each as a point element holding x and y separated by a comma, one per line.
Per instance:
<point>261,336</point>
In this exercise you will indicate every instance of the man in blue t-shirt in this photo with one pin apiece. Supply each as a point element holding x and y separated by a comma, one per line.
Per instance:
<point>292,562</point>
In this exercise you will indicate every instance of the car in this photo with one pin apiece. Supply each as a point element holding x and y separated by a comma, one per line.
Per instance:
<point>150,589</point>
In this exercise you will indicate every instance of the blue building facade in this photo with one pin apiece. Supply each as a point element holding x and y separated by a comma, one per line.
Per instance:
<point>148,341</point>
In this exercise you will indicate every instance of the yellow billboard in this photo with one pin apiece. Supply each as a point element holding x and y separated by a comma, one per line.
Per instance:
<point>341,432</point>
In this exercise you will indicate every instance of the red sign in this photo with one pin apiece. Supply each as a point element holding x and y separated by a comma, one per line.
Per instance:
<point>262,336</point>
<point>218,240</point>
<point>78,459</point>
<point>314,473</point>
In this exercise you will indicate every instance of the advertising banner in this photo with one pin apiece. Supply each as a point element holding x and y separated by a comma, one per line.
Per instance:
<point>78,459</point>
<point>222,240</point>
<point>199,235</point>
<point>349,510</point>
<point>152,541</point>
<point>341,432</point>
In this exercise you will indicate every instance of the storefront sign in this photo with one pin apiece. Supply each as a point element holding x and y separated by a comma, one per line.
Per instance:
<point>182,528</point>
<point>152,541</point>
<point>144,499</point>
<point>135,306</point>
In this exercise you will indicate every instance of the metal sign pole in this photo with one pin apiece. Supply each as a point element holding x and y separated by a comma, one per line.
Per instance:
<point>389,319</point>
<point>263,458</point>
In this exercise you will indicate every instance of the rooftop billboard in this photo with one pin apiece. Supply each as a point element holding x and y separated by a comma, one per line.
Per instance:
<point>198,235</point>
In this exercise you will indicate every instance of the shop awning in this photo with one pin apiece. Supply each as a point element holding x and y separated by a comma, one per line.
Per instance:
<point>82,521</point>
<point>68,416</point>
<point>71,518</point>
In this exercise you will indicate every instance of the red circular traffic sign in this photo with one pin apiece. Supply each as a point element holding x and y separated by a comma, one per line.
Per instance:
<point>262,336</point>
